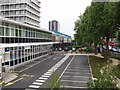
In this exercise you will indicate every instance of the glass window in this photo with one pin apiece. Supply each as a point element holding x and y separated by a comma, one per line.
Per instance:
<point>16,32</point>
<point>23,33</point>
<point>26,33</point>
<point>1,31</point>
<point>20,33</point>
<point>7,33</point>
<point>6,24</point>
<point>12,32</point>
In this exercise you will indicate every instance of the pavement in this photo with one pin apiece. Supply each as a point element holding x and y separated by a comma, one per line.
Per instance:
<point>7,77</point>
<point>114,61</point>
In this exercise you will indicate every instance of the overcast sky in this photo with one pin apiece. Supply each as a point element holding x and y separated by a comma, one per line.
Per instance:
<point>64,11</point>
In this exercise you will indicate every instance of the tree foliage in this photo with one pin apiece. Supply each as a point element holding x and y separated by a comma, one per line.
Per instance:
<point>99,22</point>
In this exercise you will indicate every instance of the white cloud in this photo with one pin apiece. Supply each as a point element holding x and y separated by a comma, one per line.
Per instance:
<point>64,11</point>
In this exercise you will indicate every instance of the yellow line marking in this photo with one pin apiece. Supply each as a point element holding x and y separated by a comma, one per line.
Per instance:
<point>32,76</point>
<point>10,83</point>
<point>2,82</point>
<point>16,73</point>
<point>28,75</point>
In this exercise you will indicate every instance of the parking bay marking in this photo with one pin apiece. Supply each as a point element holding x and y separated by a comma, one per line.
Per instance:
<point>76,73</point>
<point>73,81</point>
<point>75,76</point>
<point>72,87</point>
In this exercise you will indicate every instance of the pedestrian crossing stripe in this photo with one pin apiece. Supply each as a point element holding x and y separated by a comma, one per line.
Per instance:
<point>33,86</point>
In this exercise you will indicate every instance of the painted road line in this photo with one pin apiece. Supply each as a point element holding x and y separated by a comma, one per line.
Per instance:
<point>75,54</point>
<point>10,83</point>
<point>75,76</point>
<point>33,86</point>
<point>73,81</point>
<point>77,70</point>
<point>36,83</point>
<point>40,80</point>
<point>77,73</point>
<point>2,82</point>
<point>43,78</point>
<point>35,64</point>
<point>72,87</point>
<point>50,71</point>
<point>48,74</point>
<point>66,67</point>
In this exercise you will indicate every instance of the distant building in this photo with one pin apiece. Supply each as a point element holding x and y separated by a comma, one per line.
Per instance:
<point>54,25</point>
<point>26,11</point>
<point>60,39</point>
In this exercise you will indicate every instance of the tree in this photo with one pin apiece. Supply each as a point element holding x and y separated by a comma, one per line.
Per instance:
<point>109,23</point>
<point>98,22</point>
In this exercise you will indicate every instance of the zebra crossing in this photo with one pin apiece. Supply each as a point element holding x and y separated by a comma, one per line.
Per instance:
<point>39,82</point>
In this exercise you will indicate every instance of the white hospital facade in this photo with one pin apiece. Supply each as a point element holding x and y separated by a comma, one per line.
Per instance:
<point>21,38</point>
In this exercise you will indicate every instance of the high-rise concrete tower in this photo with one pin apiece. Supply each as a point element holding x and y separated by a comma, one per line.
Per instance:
<point>26,11</point>
<point>54,25</point>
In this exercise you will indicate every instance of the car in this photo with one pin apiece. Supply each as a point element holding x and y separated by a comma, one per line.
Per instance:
<point>73,49</point>
<point>119,50</point>
<point>66,49</point>
<point>60,49</point>
<point>114,50</point>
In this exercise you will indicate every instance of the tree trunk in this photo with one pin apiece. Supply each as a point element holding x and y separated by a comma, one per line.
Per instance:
<point>107,49</point>
<point>95,48</point>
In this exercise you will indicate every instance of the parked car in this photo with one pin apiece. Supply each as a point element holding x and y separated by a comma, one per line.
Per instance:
<point>114,50</point>
<point>60,49</point>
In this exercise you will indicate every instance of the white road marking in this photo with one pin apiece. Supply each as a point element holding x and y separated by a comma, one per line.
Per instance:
<point>48,74</point>
<point>74,81</point>
<point>66,67</point>
<point>75,76</point>
<point>43,78</point>
<point>74,54</point>
<point>35,64</point>
<point>36,83</point>
<point>77,70</point>
<point>33,86</point>
<point>51,70</point>
<point>40,80</point>
<point>77,73</point>
<point>72,87</point>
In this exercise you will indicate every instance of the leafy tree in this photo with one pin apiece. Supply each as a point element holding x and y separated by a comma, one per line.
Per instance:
<point>98,22</point>
<point>109,23</point>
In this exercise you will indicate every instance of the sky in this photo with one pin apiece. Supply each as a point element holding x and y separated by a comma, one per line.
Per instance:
<point>66,12</point>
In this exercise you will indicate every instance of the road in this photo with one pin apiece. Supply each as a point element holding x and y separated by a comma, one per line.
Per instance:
<point>73,70</point>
